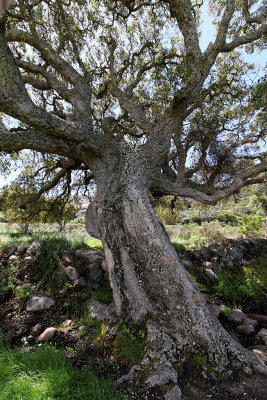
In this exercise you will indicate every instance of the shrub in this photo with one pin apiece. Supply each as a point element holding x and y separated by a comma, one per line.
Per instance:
<point>227,218</point>
<point>245,282</point>
<point>250,225</point>
<point>179,247</point>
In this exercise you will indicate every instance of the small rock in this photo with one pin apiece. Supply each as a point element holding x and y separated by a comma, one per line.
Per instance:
<point>104,265</point>
<point>67,323</point>
<point>236,316</point>
<point>245,329</point>
<point>205,254</point>
<point>208,264</point>
<point>222,307</point>
<point>11,250</point>
<point>48,334</point>
<point>230,263</point>
<point>78,253</point>
<point>249,321</point>
<point>35,246</point>
<point>217,268</point>
<point>30,260</point>
<point>262,333</point>
<point>81,282</point>
<point>210,273</point>
<point>67,256</point>
<point>247,371</point>
<point>96,275</point>
<point>245,262</point>
<point>37,329</point>
<point>92,284</point>
<point>39,303</point>
<point>81,329</point>
<point>94,266</point>
<point>261,354</point>
<point>188,264</point>
<point>174,394</point>
<point>21,249</point>
<point>13,258</point>
<point>72,273</point>
<point>93,257</point>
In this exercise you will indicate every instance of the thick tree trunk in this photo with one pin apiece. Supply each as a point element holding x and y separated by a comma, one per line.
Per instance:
<point>151,285</point>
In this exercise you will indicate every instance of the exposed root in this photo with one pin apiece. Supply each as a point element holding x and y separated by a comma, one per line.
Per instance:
<point>102,311</point>
<point>129,377</point>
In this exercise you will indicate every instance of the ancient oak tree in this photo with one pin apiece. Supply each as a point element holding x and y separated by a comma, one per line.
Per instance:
<point>122,90</point>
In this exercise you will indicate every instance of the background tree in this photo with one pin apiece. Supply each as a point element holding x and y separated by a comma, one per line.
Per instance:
<point>123,91</point>
<point>34,212</point>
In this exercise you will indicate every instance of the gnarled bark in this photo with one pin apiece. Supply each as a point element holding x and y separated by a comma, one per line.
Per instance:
<point>150,285</point>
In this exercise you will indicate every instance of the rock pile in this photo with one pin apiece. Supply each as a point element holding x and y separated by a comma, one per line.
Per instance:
<point>230,254</point>
<point>69,261</point>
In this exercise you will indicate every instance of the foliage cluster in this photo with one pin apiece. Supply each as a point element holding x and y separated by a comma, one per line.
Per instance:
<point>243,282</point>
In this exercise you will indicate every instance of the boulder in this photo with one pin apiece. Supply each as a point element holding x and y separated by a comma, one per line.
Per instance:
<point>37,303</point>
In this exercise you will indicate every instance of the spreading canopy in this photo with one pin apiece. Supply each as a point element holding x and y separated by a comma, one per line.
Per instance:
<point>85,79</point>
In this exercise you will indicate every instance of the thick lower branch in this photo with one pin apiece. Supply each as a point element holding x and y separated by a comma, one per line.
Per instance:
<point>33,140</point>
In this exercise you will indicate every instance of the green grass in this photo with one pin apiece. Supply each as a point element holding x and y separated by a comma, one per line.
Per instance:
<point>45,374</point>
<point>74,238</point>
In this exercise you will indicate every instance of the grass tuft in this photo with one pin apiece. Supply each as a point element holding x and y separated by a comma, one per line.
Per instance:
<point>46,374</point>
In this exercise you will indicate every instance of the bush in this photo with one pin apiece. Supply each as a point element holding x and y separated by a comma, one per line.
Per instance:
<point>250,225</point>
<point>179,247</point>
<point>241,283</point>
<point>227,218</point>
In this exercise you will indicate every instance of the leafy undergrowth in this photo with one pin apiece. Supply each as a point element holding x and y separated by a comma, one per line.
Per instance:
<point>239,287</point>
<point>46,374</point>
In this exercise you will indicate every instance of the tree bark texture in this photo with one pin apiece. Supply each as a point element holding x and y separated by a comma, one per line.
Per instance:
<point>151,286</point>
